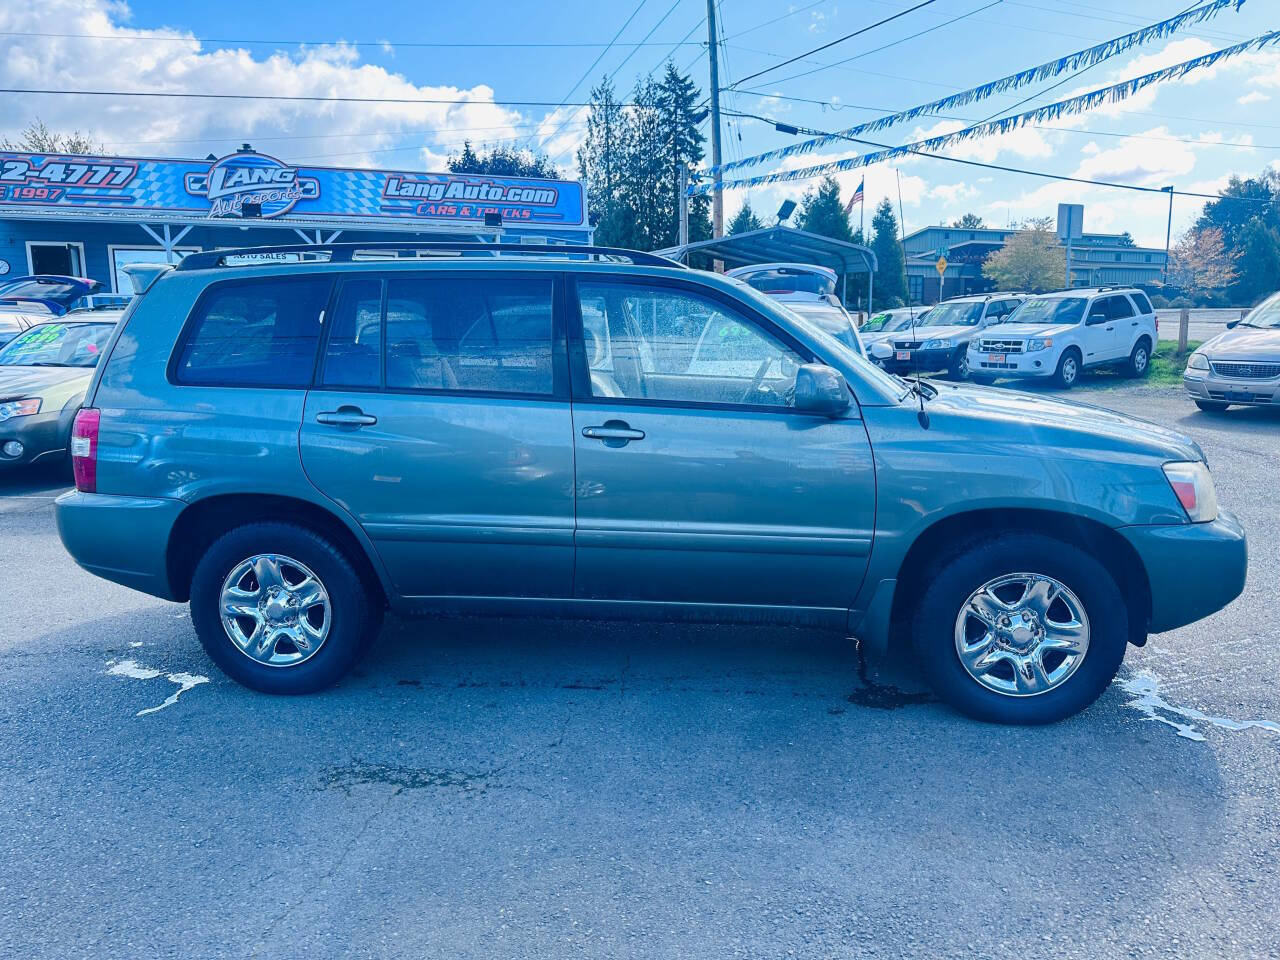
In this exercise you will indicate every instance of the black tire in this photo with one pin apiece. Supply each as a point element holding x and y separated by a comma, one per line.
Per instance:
<point>959,367</point>
<point>1139,362</point>
<point>1068,371</point>
<point>956,578</point>
<point>1212,406</point>
<point>354,619</point>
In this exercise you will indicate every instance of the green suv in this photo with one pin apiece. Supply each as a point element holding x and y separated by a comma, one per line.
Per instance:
<point>297,446</point>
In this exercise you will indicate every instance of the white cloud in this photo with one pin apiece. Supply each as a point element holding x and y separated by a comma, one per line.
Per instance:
<point>1253,96</point>
<point>354,134</point>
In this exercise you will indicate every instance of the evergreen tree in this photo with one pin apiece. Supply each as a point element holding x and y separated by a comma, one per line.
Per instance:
<point>745,220</point>
<point>601,160</point>
<point>970,221</point>
<point>681,146</point>
<point>890,283</point>
<point>504,162</point>
<point>822,211</point>
<point>1251,229</point>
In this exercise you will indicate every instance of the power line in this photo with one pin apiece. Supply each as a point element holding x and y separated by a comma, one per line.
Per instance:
<point>892,43</point>
<point>847,36</point>
<point>395,44</point>
<point>174,94</point>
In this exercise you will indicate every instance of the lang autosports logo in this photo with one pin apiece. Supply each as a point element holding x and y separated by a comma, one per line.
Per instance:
<point>251,178</point>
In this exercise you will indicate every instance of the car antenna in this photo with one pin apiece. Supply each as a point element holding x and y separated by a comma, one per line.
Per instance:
<point>922,415</point>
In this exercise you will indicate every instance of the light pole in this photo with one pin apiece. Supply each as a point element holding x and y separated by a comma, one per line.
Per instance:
<point>1168,232</point>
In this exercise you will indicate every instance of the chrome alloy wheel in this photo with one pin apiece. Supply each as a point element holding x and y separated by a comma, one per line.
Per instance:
<point>1022,634</point>
<point>275,610</point>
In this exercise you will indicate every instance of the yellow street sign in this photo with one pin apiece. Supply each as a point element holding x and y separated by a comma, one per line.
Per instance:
<point>941,266</point>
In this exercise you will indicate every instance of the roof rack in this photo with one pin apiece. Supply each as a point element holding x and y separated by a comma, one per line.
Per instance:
<point>347,252</point>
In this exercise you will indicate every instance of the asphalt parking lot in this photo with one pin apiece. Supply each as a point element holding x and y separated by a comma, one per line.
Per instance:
<point>529,789</point>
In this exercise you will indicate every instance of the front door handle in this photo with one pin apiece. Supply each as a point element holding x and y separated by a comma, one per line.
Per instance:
<point>1110,328</point>
<point>614,433</point>
<point>346,417</point>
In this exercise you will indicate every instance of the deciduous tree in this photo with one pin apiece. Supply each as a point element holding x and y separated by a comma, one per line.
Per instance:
<point>1031,259</point>
<point>1200,261</point>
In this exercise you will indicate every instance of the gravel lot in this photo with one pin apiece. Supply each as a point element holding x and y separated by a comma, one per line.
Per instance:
<point>528,789</point>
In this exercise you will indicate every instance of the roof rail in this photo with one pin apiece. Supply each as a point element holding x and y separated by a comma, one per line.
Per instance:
<point>346,252</point>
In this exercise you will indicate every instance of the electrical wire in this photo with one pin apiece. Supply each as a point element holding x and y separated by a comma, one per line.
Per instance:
<point>847,36</point>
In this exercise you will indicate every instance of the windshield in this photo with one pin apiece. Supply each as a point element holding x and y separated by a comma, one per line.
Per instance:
<point>57,345</point>
<point>1050,310</point>
<point>831,320</point>
<point>955,315</point>
<point>790,280</point>
<point>1265,315</point>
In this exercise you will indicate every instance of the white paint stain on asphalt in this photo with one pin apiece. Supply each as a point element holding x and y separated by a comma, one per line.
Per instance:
<point>135,670</point>
<point>1144,693</point>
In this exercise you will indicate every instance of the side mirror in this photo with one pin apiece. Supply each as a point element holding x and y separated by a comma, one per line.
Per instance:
<point>1097,316</point>
<point>1232,324</point>
<point>821,390</point>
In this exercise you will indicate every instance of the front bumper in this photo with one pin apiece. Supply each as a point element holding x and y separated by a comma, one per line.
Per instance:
<point>1194,569</point>
<point>1038,363</point>
<point>1207,385</point>
<point>42,437</point>
<point>122,539</point>
<point>918,361</point>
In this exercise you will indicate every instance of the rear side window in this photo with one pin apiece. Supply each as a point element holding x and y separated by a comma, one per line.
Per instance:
<point>254,333</point>
<point>490,335</point>
<point>1144,305</point>
<point>1119,307</point>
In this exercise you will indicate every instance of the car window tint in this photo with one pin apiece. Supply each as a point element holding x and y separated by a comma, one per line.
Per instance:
<point>1144,305</point>
<point>1119,307</point>
<point>353,355</point>
<point>260,332</point>
<point>662,344</point>
<point>446,333</point>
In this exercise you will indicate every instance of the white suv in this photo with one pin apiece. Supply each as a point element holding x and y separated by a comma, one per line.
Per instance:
<point>1060,334</point>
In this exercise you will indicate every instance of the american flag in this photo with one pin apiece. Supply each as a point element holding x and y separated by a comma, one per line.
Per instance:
<point>857,196</point>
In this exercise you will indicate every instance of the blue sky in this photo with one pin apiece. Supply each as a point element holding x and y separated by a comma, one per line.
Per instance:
<point>1228,113</point>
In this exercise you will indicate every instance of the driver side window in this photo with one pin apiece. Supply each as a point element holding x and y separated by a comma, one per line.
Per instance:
<point>665,344</point>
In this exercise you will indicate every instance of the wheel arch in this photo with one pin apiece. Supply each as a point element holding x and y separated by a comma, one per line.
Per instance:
<point>203,521</point>
<point>949,535</point>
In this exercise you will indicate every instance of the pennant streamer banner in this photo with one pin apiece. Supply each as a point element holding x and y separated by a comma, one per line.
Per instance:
<point>1086,101</point>
<point>1079,60</point>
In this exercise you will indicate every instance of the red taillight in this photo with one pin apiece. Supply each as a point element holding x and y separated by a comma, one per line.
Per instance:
<point>84,449</point>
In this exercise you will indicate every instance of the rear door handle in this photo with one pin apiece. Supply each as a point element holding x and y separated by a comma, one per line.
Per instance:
<point>614,433</point>
<point>346,417</point>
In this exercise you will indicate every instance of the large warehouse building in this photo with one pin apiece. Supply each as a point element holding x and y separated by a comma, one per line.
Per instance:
<point>1097,259</point>
<point>91,216</point>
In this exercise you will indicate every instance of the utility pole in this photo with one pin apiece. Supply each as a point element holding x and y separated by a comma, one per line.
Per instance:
<point>684,206</point>
<point>1168,231</point>
<point>717,196</point>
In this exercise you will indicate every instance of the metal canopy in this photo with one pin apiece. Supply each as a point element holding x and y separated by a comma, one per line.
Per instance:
<point>781,245</point>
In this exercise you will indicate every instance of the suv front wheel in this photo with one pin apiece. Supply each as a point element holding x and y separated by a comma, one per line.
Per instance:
<point>1021,628</point>
<point>281,609</point>
<point>1068,371</point>
<point>959,367</point>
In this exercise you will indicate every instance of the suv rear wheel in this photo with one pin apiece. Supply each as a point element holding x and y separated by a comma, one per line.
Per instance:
<point>281,609</point>
<point>1022,628</point>
<point>1068,369</point>
<point>1139,364</point>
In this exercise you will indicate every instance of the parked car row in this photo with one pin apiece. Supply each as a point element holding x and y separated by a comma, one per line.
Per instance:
<point>53,330</point>
<point>296,447</point>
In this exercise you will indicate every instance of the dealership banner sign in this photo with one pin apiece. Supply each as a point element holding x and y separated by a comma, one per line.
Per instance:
<point>249,184</point>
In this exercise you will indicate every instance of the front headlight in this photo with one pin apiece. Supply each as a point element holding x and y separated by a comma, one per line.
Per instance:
<point>1193,486</point>
<point>19,408</point>
<point>937,344</point>
<point>1039,343</point>
<point>1198,361</point>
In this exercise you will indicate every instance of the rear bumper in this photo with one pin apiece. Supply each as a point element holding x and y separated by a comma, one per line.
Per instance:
<point>1194,569</point>
<point>122,539</point>
<point>1205,385</point>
